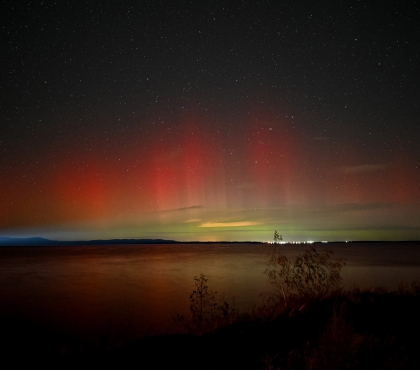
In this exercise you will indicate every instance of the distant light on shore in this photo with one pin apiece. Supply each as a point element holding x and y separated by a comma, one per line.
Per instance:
<point>293,242</point>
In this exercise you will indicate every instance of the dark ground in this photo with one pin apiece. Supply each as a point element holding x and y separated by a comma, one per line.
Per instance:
<point>353,330</point>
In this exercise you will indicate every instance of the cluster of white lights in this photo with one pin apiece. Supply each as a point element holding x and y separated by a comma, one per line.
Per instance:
<point>294,242</point>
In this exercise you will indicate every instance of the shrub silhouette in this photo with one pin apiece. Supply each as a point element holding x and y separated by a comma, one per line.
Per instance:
<point>310,275</point>
<point>206,312</point>
<point>277,238</point>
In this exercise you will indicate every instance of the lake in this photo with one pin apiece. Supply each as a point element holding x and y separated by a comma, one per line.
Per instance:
<point>135,290</point>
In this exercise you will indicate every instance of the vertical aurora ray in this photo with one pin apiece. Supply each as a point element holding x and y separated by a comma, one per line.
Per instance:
<point>270,159</point>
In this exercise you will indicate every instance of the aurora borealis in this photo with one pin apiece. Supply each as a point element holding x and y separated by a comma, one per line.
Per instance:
<point>210,121</point>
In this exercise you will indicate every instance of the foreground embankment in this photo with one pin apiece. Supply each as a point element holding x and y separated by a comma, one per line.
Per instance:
<point>356,329</point>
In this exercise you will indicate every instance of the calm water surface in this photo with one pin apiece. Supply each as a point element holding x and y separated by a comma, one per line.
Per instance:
<point>85,291</point>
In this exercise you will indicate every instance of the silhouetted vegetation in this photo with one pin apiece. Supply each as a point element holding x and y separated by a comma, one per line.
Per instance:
<point>206,311</point>
<point>277,238</point>
<point>355,329</point>
<point>312,274</point>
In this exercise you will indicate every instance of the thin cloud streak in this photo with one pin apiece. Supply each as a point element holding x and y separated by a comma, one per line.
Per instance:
<point>229,224</point>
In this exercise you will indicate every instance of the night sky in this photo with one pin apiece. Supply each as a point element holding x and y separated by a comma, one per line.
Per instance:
<point>210,120</point>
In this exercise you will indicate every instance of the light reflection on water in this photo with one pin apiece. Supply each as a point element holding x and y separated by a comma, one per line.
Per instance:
<point>86,290</point>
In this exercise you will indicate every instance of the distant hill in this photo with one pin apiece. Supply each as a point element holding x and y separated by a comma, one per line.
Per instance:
<point>6,241</point>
